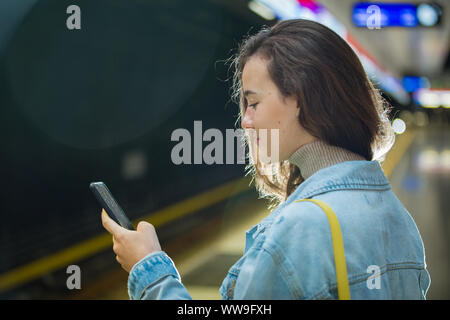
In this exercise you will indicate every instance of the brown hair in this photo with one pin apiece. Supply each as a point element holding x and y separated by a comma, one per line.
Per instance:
<point>338,103</point>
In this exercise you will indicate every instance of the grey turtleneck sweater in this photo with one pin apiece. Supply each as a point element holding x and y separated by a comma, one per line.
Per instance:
<point>317,155</point>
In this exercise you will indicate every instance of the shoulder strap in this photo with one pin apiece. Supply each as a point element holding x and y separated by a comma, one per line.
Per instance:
<point>338,248</point>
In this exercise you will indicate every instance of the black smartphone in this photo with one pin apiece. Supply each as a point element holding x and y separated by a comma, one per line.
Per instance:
<point>110,204</point>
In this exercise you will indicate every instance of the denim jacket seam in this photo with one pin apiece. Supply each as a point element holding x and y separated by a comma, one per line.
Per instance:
<point>234,271</point>
<point>278,257</point>
<point>405,265</point>
<point>158,256</point>
<point>141,295</point>
<point>328,188</point>
<point>355,279</point>
<point>384,269</point>
<point>236,268</point>
<point>325,290</point>
<point>156,280</point>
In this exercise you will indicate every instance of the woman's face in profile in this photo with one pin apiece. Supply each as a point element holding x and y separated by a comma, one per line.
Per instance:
<point>267,109</point>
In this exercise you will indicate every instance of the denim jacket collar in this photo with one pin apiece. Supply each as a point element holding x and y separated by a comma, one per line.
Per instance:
<point>357,175</point>
<point>348,175</point>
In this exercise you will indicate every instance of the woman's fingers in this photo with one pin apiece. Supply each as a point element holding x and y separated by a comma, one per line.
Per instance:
<point>144,226</point>
<point>131,246</point>
<point>110,225</point>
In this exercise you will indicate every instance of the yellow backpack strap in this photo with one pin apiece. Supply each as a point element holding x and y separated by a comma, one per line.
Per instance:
<point>338,248</point>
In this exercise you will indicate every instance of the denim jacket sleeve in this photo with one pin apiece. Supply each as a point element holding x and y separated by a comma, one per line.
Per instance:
<point>156,278</point>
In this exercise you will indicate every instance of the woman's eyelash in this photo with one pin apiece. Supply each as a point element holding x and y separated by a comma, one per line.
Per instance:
<point>253,105</point>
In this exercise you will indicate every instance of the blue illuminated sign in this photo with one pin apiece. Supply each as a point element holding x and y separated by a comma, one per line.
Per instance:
<point>374,15</point>
<point>412,84</point>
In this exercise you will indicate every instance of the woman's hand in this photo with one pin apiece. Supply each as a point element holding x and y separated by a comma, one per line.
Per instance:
<point>131,246</point>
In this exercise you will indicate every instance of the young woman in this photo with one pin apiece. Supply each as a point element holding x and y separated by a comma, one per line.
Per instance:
<point>303,80</point>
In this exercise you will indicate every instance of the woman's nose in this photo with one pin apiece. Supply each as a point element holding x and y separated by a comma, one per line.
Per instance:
<point>247,120</point>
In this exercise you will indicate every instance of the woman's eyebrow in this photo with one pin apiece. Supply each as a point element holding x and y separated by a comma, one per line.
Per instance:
<point>249,92</point>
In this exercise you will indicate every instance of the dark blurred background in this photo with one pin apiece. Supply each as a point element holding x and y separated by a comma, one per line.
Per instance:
<point>100,104</point>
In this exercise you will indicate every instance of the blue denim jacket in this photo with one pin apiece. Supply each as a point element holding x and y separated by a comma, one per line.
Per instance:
<point>289,254</point>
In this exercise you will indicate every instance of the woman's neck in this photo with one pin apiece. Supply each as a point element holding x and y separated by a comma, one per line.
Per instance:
<point>317,155</point>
